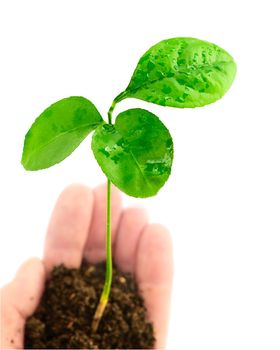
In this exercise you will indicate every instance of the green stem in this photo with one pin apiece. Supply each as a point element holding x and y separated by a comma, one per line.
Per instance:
<point>109,266</point>
<point>117,99</point>
<point>109,261</point>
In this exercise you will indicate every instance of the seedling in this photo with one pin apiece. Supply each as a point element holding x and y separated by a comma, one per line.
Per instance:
<point>136,152</point>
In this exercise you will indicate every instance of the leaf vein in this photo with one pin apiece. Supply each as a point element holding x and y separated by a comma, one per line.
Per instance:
<point>58,136</point>
<point>150,82</point>
<point>140,170</point>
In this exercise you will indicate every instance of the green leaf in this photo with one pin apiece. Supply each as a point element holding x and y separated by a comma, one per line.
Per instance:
<point>182,72</point>
<point>136,153</point>
<point>58,131</point>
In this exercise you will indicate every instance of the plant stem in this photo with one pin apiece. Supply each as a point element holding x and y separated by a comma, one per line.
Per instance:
<point>109,262</point>
<point>117,99</point>
<point>109,265</point>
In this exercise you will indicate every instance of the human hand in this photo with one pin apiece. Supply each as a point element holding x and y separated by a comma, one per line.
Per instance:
<point>76,231</point>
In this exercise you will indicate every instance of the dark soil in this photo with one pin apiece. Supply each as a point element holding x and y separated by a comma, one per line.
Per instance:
<point>63,318</point>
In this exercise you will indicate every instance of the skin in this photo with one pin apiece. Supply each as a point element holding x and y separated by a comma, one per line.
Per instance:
<point>76,231</point>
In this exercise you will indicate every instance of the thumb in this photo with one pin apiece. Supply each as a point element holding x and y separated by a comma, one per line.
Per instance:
<point>19,300</point>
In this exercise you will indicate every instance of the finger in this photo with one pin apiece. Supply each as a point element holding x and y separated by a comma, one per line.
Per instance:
<point>19,300</point>
<point>69,227</point>
<point>95,247</point>
<point>132,223</point>
<point>154,273</point>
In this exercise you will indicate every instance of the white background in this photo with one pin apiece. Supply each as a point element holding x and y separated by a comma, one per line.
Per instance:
<point>222,202</point>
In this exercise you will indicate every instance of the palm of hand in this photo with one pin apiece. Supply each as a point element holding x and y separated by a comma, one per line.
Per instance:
<point>76,231</point>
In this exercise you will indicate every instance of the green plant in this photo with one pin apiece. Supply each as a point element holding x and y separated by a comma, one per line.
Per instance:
<point>136,152</point>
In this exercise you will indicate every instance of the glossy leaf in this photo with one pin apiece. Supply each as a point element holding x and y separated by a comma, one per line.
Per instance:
<point>58,131</point>
<point>182,72</point>
<point>136,153</point>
